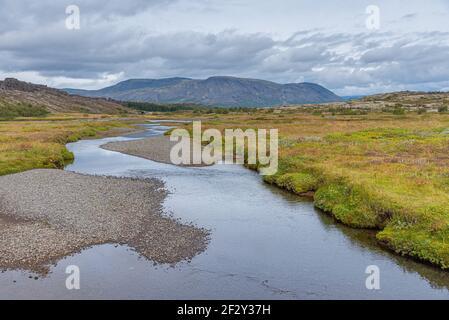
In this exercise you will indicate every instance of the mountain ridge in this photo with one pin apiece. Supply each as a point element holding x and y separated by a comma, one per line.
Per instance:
<point>226,91</point>
<point>15,94</point>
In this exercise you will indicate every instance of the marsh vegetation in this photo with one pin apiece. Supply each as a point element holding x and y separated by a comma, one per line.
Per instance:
<point>40,142</point>
<point>387,171</point>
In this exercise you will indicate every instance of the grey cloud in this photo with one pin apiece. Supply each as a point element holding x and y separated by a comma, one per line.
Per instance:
<point>409,16</point>
<point>32,39</point>
<point>41,11</point>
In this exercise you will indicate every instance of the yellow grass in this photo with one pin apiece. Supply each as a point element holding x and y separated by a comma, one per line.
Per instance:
<point>382,171</point>
<point>40,143</point>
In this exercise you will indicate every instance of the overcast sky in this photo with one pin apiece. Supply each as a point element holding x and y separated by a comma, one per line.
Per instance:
<point>326,41</point>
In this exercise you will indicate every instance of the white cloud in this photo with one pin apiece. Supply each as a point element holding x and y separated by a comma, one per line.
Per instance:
<point>284,41</point>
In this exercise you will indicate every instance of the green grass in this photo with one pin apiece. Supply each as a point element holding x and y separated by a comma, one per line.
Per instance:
<point>11,111</point>
<point>397,190</point>
<point>26,145</point>
<point>297,182</point>
<point>387,171</point>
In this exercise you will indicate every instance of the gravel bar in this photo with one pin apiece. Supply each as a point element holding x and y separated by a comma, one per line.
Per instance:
<point>154,148</point>
<point>48,214</point>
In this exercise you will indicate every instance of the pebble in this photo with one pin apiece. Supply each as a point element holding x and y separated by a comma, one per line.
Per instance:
<point>47,214</point>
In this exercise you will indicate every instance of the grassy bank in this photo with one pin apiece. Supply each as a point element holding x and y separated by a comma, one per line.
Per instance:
<point>40,143</point>
<point>395,180</point>
<point>381,171</point>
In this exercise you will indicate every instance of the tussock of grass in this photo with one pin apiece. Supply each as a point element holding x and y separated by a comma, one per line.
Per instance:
<point>348,205</point>
<point>298,182</point>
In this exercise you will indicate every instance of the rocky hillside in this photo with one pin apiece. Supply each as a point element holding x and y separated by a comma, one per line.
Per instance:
<point>411,97</point>
<point>15,94</point>
<point>214,91</point>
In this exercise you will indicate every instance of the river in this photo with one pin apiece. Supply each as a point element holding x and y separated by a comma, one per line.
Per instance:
<point>265,243</point>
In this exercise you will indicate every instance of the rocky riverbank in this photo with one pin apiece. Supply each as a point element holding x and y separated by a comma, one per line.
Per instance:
<point>49,214</point>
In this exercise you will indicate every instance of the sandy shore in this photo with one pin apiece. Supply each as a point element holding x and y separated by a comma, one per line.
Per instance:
<point>154,148</point>
<point>49,214</point>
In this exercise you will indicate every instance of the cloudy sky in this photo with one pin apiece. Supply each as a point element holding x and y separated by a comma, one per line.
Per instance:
<point>334,43</point>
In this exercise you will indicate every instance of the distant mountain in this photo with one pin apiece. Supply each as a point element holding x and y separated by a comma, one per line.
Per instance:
<point>15,94</point>
<point>349,98</point>
<point>214,91</point>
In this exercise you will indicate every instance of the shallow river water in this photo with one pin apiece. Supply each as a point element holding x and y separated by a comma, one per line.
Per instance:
<point>265,244</point>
